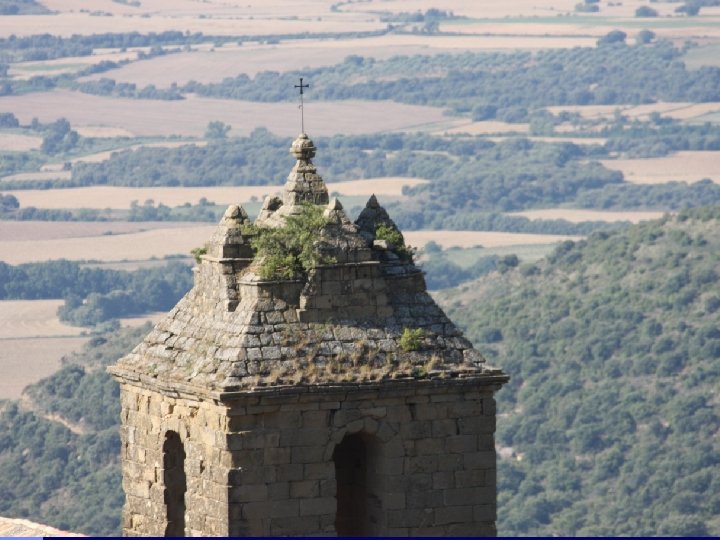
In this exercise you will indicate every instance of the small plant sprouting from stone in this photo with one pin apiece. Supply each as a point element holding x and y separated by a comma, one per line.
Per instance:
<point>289,252</point>
<point>198,253</point>
<point>394,237</point>
<point>411,339</point>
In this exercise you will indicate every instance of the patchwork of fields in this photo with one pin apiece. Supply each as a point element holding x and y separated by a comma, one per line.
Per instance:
<point>34,340</point>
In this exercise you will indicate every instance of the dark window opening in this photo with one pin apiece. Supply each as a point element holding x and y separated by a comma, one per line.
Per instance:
<point>350,458</point>
<point>175,484</point>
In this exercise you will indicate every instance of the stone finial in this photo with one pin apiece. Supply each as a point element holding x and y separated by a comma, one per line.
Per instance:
<point>303,148</point>
<point>372,215</point>
<point>304,184</point>
<point>235,215</point>
<point>228,241</point>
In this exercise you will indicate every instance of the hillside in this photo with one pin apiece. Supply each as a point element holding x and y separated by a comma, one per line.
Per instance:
<point>60,450</point>
<point>609,425</point>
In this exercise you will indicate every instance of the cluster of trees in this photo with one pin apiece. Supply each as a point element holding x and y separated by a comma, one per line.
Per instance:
<point>614,73</point>
<point>693,6</point>
<point>108,87</point>
<point>47,47</point>
<point>613,345</point>
<point>22,7</point>
<point>95,295</point>
<point>48,473</point>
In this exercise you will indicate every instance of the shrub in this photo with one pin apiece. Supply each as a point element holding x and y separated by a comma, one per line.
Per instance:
<point>289,252</point>
<point>410,340</point>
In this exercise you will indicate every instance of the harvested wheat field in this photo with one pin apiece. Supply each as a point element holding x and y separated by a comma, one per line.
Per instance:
<point>23,231</point>
<point>32,342</point>
<point>466,239</point>
<point>191,116</point>
<point>579,215</point>
<point>131,246</point>
<point>11,142</point>
<point>26,361</point>
<point>682,166</point>
<point>33,318</point>
<point>207,8</point>
<point>67,24</point>
<point>119,198</point>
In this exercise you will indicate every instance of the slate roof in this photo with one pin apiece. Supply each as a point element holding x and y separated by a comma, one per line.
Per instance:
<point>365,319</point>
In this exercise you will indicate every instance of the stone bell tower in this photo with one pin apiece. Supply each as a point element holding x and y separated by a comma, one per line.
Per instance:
<point>343,402</point>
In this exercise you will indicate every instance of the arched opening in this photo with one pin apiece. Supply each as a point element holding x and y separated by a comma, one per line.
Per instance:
<point>175,484</point>
<point>357,501</point>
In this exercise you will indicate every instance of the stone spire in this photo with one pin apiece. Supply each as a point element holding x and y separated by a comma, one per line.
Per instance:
<point>304,183</point>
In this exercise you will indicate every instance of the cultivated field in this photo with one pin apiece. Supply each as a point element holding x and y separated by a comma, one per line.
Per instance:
<point>231,60</point>
<point>121,197</point>
<point>33,318</point>
<point>12,142</point>
<point>24,231</point>
<point>132,246</point>
<point>685,166</point>
<point>68,64</point>
<point>191,116</point>
<point>577,215</point>
<point>67,24</point>
<point>32,342</point>
<point>26,361</point>
<point>679,111</point>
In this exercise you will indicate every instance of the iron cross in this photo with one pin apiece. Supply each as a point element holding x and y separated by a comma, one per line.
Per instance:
<point>301,86</point>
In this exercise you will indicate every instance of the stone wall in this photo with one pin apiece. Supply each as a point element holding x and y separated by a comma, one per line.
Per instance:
<point>264,464</point>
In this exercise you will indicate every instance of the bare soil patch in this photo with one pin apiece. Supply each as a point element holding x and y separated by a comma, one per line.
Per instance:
<point>191,116</point>
<point>466,239</point>
<point>577,215</point>
<point>684,166</point>
<point>121,197</point>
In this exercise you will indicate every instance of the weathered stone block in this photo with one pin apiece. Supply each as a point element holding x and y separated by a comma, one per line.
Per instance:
<point>318,506</point>
<point>454,514</point>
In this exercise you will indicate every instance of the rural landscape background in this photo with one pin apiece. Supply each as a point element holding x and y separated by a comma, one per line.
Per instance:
<point>531,150</point>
